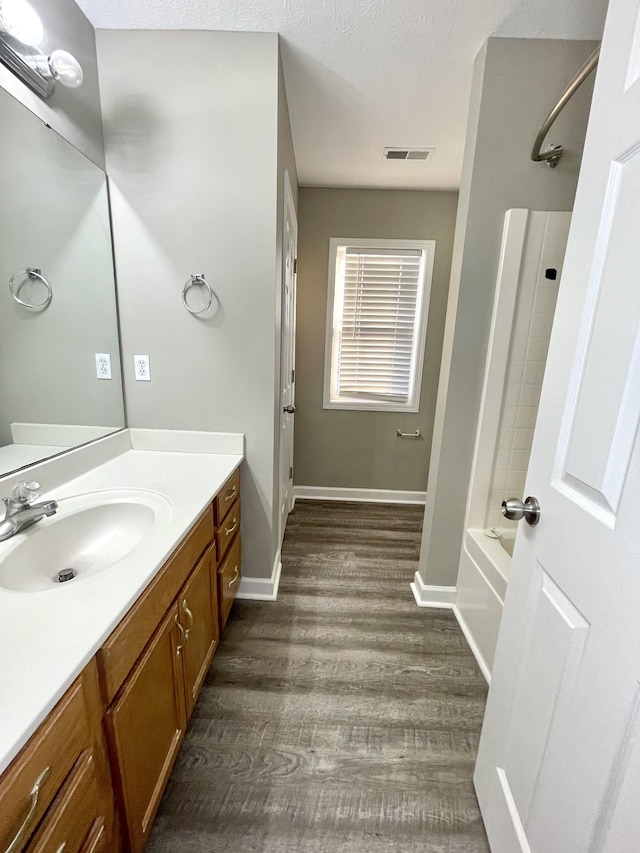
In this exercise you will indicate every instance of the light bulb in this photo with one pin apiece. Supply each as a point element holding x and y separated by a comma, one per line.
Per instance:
<point>66,69</point>
<point>20,20</point>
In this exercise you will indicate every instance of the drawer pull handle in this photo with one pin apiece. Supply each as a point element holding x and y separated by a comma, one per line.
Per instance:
<point>61,848</point>
<point>16,844</point>
<point>190,615</point>
<point>231,530</point>
<point>180,645</point>
<point>231,495</point>
<point>235,577</point>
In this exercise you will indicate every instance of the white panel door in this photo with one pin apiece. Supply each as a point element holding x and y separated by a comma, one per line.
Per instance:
<point>287,354</point>
<point>559,760</point>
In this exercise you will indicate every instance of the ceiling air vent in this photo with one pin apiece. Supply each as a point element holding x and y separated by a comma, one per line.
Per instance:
<point>407,153</point>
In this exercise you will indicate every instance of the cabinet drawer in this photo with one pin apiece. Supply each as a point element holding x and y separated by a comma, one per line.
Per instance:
<point>227,530</point>
<point>70,818</point>
<point>226,496</point>
<point>48,757</point>
<point>229,576</point>
<point>125,645</point>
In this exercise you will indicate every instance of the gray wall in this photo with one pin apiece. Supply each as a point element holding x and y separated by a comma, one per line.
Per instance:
<point>74,113</point>
<point>515,84</point>
<point>360,449</point>
<point>193,162</point>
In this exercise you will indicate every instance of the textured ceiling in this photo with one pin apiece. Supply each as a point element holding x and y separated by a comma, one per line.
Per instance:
<point>365,74</point>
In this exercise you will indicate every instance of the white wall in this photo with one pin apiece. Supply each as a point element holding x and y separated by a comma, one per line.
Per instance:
<point>516,82</point>
<point>192,155</point>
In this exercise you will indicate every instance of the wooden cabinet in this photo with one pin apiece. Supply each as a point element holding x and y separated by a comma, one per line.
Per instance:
<point>68,822</point>
<point>97,841</point>
<point>227,518</point>
<point>58,786</point>
<point>198,611</point>
<point>146,721</point>
<point>145,726</point>
<point>229,575</point>
<point>124,646</point>
<point>226,496</point>
<point>137,694</point>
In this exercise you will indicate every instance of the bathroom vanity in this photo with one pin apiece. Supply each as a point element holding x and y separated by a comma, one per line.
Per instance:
<point>104,671</point>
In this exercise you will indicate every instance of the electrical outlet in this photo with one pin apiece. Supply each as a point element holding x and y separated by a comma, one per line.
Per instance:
<point>142,368</point>
<point>103,365</point>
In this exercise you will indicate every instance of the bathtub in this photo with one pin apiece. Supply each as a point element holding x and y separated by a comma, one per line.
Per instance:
<point>482,583</point>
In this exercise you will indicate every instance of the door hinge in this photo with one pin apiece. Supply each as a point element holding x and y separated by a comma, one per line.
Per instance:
<point>290,472</point>
<point>293,375</point>
<point>295,266</point>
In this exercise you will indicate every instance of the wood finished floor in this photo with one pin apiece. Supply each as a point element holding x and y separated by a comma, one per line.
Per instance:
<point>341,717</point>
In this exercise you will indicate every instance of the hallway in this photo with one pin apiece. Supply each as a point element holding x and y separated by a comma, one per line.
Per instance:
<point>341,717</point>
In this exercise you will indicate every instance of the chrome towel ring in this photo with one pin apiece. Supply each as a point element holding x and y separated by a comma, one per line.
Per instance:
<point>30,273</point>
<point>197,281</point>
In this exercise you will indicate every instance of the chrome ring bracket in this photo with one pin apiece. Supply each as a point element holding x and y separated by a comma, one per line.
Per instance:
<point>26,274</point>
<point>197,281</point>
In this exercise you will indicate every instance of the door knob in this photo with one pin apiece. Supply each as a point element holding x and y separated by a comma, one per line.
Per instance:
<point>515,509</point>
<point>289,409</point>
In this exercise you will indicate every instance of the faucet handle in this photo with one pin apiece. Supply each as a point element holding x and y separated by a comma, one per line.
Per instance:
<point>25,492</point>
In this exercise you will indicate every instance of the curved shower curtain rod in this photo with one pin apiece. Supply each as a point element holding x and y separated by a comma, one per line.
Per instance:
<point>552,156</point>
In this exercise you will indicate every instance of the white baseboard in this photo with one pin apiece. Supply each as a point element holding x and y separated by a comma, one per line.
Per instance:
<point>475,649</point>
<point>387,496</point>
<point>262,589</point>
<point>432,596</point>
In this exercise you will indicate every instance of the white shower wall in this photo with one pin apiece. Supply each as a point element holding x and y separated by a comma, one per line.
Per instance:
<point>532,243</point>
<point>533,319</point>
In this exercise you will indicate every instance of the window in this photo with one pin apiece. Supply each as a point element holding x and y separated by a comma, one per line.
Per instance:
<point>376,323</point>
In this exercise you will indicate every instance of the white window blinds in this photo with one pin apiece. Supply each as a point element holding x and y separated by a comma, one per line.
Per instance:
<point>377,320</point>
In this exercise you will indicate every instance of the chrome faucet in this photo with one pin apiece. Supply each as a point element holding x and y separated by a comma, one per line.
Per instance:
<point>21,512</point>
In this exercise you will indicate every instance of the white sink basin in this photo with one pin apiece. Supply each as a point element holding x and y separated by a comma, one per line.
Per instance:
<point>88,534</point>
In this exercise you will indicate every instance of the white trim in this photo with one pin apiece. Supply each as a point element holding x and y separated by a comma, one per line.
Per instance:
<point>475,648</point>
<point>427,248</point>
<point>432,596</point>
<point>262,589</point>
<point>328,493</point>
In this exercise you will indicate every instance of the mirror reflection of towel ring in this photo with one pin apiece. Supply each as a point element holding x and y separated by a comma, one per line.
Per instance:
<point>197,281</point>
<point>30,273</point>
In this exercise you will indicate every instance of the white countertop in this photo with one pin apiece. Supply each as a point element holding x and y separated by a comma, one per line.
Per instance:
<point>48,637</point>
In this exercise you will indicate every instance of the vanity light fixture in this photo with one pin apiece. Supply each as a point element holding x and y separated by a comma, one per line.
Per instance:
<point>21,32</point>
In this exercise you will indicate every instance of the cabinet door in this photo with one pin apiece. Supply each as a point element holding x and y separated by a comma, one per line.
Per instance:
<point>200,630</point>
<point>145,726</point>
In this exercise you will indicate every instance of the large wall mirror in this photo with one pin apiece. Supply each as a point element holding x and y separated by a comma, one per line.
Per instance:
<point>55,255</point>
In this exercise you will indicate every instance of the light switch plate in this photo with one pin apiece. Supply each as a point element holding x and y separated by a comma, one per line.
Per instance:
<point>103,365</point>
<point>142,368</point>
